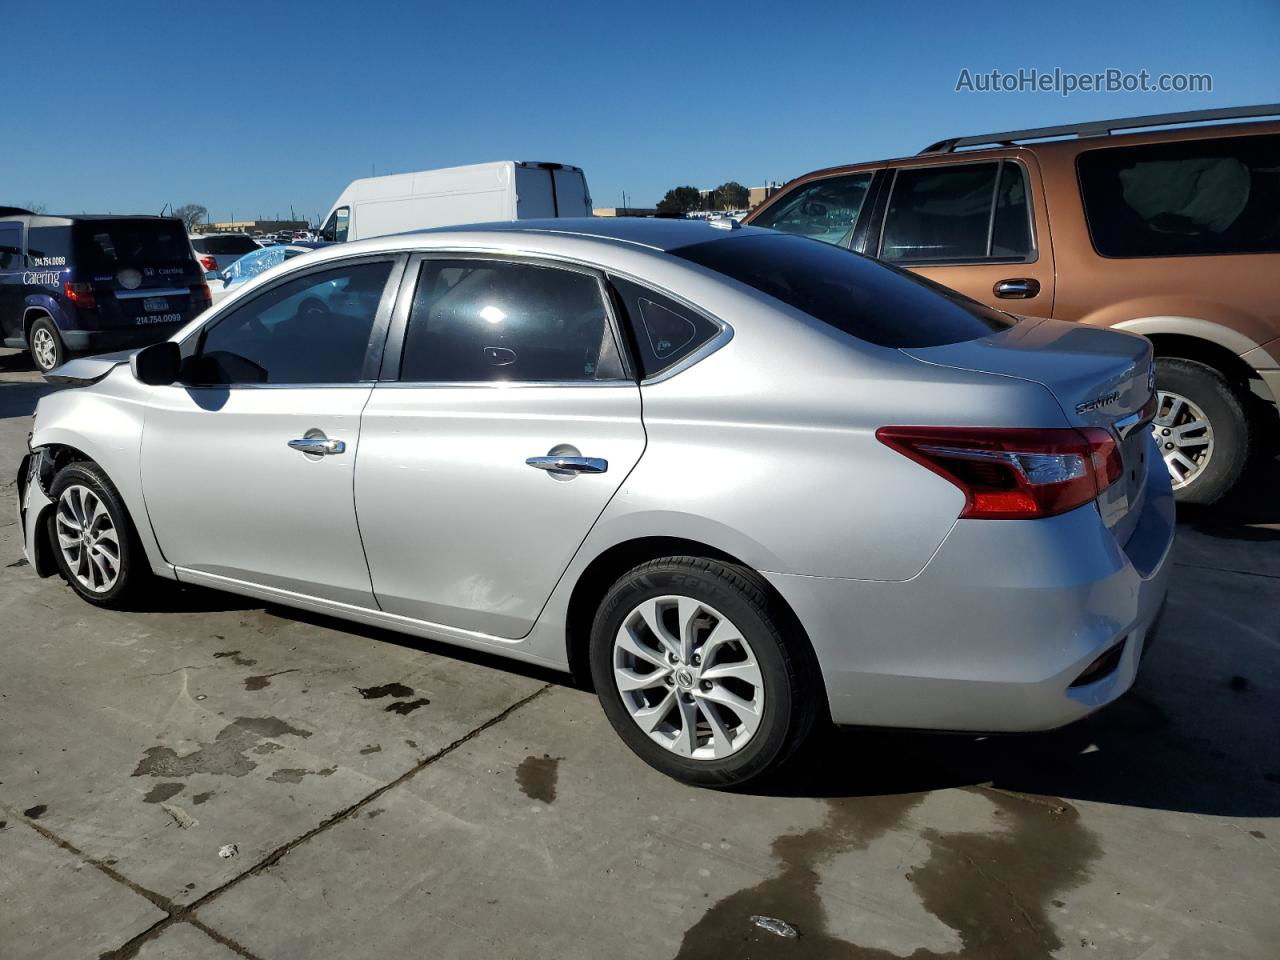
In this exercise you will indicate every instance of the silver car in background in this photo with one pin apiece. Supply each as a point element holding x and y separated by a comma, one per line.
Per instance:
<point>746,481</point>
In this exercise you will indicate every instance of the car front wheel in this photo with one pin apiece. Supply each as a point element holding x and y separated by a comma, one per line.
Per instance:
<point>693,668</point>
<point>93,538</point>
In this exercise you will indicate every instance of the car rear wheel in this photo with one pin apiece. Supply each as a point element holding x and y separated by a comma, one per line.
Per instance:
<point>94,542</point>
<point>1201,428</point>
<point>47,348</point>
<point>692,668</point>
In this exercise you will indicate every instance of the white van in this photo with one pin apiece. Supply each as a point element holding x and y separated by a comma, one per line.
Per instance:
<point>479,193</point>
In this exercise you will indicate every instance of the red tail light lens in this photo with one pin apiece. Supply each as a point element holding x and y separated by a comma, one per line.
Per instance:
<point>81,294</point>
<point>210,265</point>
<point>200,296</point>
<point>1013,473</point>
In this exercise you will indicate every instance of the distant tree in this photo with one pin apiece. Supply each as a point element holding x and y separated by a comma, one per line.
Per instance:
<point>35,207</point>
<point>679,201</point>
<point>731,196</point>
<point>190,214</point>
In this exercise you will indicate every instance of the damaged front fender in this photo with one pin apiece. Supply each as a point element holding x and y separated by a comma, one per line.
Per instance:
<point>33,511</point>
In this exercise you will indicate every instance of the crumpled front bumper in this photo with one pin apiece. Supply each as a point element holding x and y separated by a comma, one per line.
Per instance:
<point>32,503</point>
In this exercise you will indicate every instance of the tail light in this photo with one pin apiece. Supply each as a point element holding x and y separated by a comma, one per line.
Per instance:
<point>81,294</point>
<point>210,265</point>
<point>200,296</point>
<point>1014,473</point>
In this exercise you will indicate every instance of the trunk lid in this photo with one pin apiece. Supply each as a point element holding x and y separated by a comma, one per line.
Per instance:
<point>1100,378</point>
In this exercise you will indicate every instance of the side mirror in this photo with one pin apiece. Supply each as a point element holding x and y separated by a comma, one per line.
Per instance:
<point>158,364</point>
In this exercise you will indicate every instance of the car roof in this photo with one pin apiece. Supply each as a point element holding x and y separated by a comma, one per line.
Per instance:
<point>657,233</point>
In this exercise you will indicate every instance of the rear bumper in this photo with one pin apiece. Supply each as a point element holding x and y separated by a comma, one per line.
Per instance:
<point>990,636</point>
<point>119,338</point>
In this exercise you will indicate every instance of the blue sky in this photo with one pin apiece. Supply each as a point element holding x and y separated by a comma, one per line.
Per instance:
<point>250,107</point>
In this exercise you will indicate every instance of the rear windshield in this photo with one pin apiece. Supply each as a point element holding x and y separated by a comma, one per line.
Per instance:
<point>226,246</point>
<point>859,296</point>
<point>108,244</point>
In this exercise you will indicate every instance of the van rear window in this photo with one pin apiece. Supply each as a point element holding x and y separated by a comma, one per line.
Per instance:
<point>228,246</point>
<point>866,299</point>
<point>108,244</point>
<point>1184,198</point>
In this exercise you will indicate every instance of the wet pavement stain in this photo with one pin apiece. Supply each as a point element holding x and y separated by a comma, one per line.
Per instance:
<point>3,824</point>
<point>537,777</point>
<point>295,774</point>
<point>993,889</point>
<point>1258,833</point>
<point>371,748</point>
<point>225,755</point>
<point>238,660</point>
<point>263,681</point>
<point>162,792</point>
<point>269,747</point>
<point>36,812</point>
<point>385,690</point>
<point>200,798</point>
<point>406,707</point>
<point>18,563</point>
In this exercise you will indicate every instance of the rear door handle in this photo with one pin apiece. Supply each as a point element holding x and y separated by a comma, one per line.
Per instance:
<point>318,446</point>
<point>569,464</point>
<point>1019,288</point>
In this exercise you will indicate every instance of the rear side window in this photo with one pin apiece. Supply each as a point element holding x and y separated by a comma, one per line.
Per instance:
<point>825,209</point>
<point>48,247</point>
<point>957,213</point>
<point>663,332</point>
<point>110,244</point>
<point>865,299</point>
<point>1183,199</point>
<point>482,321</point>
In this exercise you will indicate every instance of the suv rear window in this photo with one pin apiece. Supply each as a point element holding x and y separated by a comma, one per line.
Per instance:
<point>231,246</point>
<point>1183,199</point>
<point>108,244</point>
<point>872,301</point>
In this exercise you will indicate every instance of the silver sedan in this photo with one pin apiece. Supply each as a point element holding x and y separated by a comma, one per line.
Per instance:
<point>745,482</point>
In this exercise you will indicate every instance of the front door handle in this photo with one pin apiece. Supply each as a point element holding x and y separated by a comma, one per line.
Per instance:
<point>318,446</point>
<point>569,464</point>
<point>1019,288</point>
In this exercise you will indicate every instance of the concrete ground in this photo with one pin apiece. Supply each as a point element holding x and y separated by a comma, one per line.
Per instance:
<point>209,778</point>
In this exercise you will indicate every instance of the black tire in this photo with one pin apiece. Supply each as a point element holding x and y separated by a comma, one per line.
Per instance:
<point>44,326</point>
<point>792,693</point>
<point>1232,431</point>
<point>133,569</point>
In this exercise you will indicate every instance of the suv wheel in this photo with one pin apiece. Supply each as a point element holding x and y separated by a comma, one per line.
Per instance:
<point>693,671</point>
<point>47,348</point>
<point>93,538</point>
<point>1201,428</point>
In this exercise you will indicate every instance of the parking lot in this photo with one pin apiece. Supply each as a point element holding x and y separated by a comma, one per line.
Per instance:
<point>208,778</point>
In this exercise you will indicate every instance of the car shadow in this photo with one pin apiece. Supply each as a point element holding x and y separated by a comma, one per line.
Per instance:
<point>1254,501</point>
<point>18,399</point>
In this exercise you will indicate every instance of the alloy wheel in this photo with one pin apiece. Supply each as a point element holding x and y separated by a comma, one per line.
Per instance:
<point>688,677</point>
<point>44,349</point>
<point>1184,435</point>
<point>88,539</point>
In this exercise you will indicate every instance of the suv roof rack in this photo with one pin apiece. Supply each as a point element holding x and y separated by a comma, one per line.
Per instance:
<point>1102,128</point>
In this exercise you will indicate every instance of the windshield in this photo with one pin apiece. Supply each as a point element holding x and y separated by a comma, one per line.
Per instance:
<point>108,244</point>
<point>862,297</point>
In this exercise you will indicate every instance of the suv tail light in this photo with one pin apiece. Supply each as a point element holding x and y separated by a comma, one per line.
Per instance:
<point>81,294</point>
<point>200,296</point>
<point>209,263</point>
<point>1014,473</point>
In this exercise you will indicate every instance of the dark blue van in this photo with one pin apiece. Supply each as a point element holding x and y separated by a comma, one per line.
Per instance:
<point>94,284</point>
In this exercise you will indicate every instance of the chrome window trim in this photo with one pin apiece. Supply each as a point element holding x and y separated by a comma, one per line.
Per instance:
<point>166,292</point>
